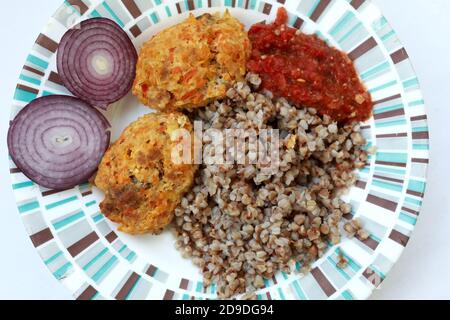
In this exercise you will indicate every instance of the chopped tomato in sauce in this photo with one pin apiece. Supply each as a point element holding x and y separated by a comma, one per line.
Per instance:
<point>307,71</point>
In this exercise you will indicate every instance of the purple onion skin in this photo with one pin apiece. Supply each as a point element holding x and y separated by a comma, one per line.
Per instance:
<point>105,40</point>
<point>58,141</point>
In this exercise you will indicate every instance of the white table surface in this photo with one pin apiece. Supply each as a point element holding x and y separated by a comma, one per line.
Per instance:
<point>421,273</point>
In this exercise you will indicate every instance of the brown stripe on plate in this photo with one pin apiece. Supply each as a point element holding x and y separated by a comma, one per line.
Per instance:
<point>348,216</point>
<point>319,10</point>
<point>15,170</point>
<point>178,8</point>
<point>184,283</point>
<point>298,23</point>
<point>28,89</point>
<point>371,243</point>
<point>87,193</point>
<point>247,2</point>
<point>233,3</point>
<point>323,282</point>
<point>360,184</point>
<point>87,294</point>
<point>399,56</point>
<point>418,118</point>
<point>267,8</point>
<point>274,280</point>
<point>151,270</point>
<point>363,48</point>
<point>39,73</point>
<point>281,1</point>
<point>79,5</point>
<point>414,212</point>
<point>135,31</point>
<point>389,114</point>
<point>52,192</point>
<point>392,164</point>
<point>268,296</point>
<point>111,236</point>
<point>373,277</point>
<point>420,135</point>
<point>384,203</point>
<point>387,178</point>
<point>209,3</point>
<point>47,43</point>
<point>191,5</point>
<point>168,295</point>
<point>397,96</point>
<point>399,237</point>
<point>55,78</point>
<point>41,237</point>
<point>365,127</point>
<point>392,135</point>
<point>415,193</point>
<point>417,160</point>
<point>132,8</point>
<point>357,3</point>
<point>82,244</point>
<point>129,284</point>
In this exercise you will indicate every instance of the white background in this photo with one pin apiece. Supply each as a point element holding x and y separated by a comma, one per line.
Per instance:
<point>421,273</point>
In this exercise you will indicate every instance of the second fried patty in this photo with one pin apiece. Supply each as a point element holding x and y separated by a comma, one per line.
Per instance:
<point>192,63</point>
<point>141,182</point>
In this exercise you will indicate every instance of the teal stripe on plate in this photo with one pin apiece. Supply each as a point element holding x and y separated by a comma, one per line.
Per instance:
<point>158,2</point>
<point>185,297</point>
<point>415,185</point>
<point>392,157</point>
<point>389,108</point>
<point>388,35</point>
<point>375,70</point>
<point>375,238</point>
<point>407,218</point>
<point>98,275</point>
<point>356,267</point>
<point>47,93</point>
<point>95,259</point>
<point>113,14</point>
<point>341,23</point>
<point>339,270</point>
<point>378,272</point>
<point>95,14</point>
<point>22,185</point>
<point>71,7</point>
<point>37,61</point>
<point>199,287</point>
<point>154,18</point>
<point>280,292</point>
<point>227,3</point>
<point>347,295</point>
<point>413,201</point>
<point>60,203</point>
<point>383,86</point>
<point>350,32</point>
<point>123,248</point>
<point>91,203</point>
<point>53,258</point>
<point>60,273</point>
<point>60,224</point>
<point>28,206</point>
<point>390,170</point>
<point>417,146</point>
<point>30,80</point>
<point>98,217</point>
<point>416,103</point>
<point>387,185</point>
<point>25,96</point>
<point>130,256</point>
<point>169,14</point>
<point>420,129</point>
<point>410,82</point>
<point>252,4</point>
<point>199,4</point>
<point>392,123</point>
<point>299,290</point>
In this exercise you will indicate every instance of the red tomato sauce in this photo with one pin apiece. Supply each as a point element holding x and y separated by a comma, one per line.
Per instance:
<point>308,72</point>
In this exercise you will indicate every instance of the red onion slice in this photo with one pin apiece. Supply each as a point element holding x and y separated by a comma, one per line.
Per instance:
<point>58,141</point>
<point>97,62</point>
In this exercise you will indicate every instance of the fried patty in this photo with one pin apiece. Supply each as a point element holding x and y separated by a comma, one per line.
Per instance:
<point>192,63</point>
<point>142,184</point>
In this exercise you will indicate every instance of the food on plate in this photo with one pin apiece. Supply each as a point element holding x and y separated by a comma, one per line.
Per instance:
<point>97,62</point>
<point>58,141</point>
<point>192,63</point>
<point>240,223</point>
<point>306,71</point>
<point>142,184</point>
